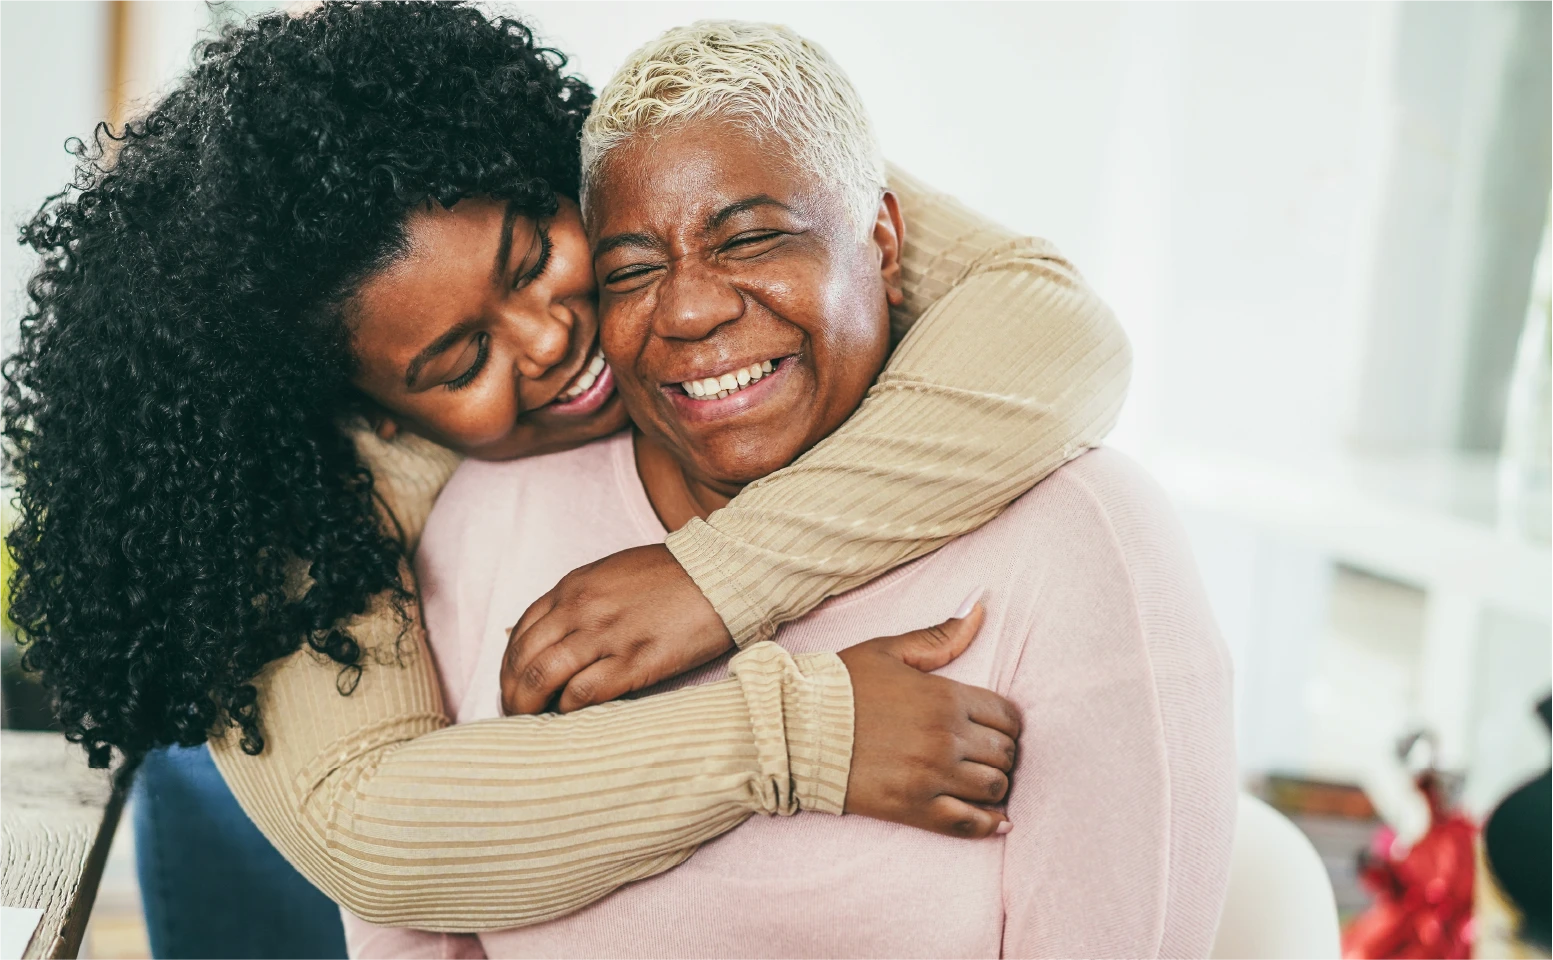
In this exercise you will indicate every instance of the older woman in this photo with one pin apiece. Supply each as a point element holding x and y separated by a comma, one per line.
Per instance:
<point>722,251</point>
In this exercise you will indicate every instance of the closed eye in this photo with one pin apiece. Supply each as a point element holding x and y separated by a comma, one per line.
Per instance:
<point>627,279</point>
<point>482,346</point>
<point>752,242</point>
<point>525,277</point>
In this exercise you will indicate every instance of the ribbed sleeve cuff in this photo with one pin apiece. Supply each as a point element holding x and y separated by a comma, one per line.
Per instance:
<point>819,733</point>
<point>801,712</point>
<point>715,566</point>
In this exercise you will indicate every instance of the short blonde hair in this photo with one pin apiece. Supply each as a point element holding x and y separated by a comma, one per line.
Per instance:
<point>761,76</point>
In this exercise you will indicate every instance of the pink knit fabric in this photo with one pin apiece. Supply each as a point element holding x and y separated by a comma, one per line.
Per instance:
<point>1124,795</point>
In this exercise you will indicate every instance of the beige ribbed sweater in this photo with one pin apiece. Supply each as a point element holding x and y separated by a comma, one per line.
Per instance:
<point>1011,367</point>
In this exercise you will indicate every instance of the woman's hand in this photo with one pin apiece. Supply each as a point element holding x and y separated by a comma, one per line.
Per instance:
<point>928,752</point>
<point>623,623</point>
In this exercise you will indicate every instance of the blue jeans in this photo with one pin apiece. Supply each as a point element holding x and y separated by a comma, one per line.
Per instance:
<point>211,884</point>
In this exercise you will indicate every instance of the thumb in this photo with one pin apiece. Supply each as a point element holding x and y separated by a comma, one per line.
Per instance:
<point>936,646</point>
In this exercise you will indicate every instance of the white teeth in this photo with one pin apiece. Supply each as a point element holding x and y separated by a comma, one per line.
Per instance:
<point>589,376</point>
<point>715,388</point>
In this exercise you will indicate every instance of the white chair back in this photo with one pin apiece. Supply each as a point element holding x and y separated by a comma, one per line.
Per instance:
<point>1280,901</point>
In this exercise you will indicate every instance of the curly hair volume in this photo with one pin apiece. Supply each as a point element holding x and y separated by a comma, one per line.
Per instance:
<point>174,409</point>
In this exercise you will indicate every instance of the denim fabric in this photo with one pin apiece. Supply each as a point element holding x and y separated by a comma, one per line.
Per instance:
<point>211,884</point>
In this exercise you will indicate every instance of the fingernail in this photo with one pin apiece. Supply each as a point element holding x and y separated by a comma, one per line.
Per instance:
<point>1005,827</point>
<point>969,604</point>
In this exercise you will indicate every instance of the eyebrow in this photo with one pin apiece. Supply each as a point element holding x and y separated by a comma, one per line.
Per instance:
<point>433,350</point>
<point>623,240</point>
<point>742,206</point>
<point>712,223</point>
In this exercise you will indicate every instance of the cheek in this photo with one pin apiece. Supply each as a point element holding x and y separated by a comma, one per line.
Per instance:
<point>571,268</point>
<point>624,327</point>
<point>571,258</point>
<point>480,414</point>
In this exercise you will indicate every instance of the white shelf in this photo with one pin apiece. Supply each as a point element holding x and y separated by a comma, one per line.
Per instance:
<point>1426,520</point>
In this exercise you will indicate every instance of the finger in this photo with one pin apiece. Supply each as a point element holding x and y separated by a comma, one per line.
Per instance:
<point>936,646</point>
<point>953,817</point>
<point>990,710</point>
<point>603,680</point>
<point>523,649</point>
<point>547,674</point>
<point>978,783</point>
<point>536,610</point>
<point>991,747</point>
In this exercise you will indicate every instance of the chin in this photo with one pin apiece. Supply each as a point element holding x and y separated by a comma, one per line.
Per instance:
<point>740,464</point>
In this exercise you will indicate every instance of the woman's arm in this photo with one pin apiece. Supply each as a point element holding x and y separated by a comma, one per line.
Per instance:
<point>405,820</point>
<point>1012,367</point>
<point>1123,796</point>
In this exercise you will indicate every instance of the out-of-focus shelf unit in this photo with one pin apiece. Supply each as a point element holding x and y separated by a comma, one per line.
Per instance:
<point>1431,522</point>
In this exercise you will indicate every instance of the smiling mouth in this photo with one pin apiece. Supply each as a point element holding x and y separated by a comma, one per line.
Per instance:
<point>588,391</point>
<point>585,377</point>
<point>727,384</point>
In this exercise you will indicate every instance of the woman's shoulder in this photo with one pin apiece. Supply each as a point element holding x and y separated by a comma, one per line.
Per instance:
<point>481,493</point>
<point>1100,530</point>
<point>408,474</point>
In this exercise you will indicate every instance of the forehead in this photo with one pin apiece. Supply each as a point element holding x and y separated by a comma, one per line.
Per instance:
<point>670,180</point>
<point>448,258</point>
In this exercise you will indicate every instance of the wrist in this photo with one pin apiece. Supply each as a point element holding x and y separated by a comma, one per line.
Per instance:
<point>801,715</point>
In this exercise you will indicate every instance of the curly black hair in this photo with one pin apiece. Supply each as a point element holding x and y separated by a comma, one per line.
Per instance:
<point>174,409</point>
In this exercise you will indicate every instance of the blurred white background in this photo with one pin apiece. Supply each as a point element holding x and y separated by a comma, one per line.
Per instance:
<point>1324,227</point>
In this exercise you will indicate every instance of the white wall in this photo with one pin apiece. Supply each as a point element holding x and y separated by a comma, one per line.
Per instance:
<point>53,86</point>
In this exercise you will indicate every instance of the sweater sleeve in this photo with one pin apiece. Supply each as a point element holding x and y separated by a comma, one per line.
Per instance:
<point>1008,366</point>
<point>406,820</point>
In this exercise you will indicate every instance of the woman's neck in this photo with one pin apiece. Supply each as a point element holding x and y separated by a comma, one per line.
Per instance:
<point>676,497</point>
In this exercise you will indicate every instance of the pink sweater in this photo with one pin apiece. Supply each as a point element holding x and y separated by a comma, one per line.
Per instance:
<point>1124,795</point>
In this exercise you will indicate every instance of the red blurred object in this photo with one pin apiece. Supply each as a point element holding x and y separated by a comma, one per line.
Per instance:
<point>1423,895</point>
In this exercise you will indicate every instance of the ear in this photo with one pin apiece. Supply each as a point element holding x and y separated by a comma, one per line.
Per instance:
<point>385,426</point>
<point>890,237</point>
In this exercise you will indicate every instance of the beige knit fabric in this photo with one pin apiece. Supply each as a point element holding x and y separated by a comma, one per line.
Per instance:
<point>1010,368</point>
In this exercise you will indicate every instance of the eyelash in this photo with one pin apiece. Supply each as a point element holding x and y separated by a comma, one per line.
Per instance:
<point>752,238</point>
<point>627,274</point>
<point>468,376</point>
<point>539,267</point>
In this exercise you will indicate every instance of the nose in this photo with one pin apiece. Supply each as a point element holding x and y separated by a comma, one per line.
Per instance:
<point>693,300</point>
<point>543,338</point>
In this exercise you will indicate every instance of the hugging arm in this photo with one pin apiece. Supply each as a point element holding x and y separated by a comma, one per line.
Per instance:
<point>403,819</point>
